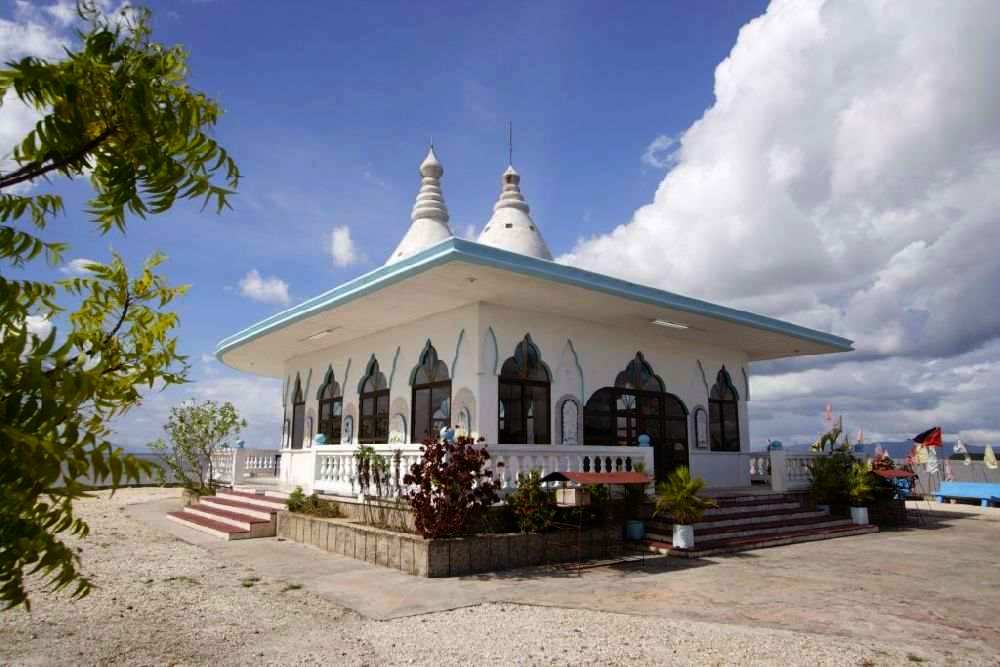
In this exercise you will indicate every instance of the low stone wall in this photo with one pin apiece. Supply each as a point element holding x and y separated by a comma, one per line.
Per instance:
<point>451,557</point>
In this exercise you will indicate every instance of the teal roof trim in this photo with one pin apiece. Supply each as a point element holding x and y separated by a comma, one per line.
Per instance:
<point>454,249</point>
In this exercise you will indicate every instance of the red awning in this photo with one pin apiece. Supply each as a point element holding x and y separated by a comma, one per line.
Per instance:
<point>894,474</point>
<point>599,477</point>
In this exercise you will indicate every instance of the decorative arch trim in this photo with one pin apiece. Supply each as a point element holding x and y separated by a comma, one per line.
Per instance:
<point>309,377</point>
<point>746,382</point>
<point>372,361</point>
<point>531,345</point>
<point>327,378</point>
<point>392,373</point>
<point>458,349</point>
<point>490,346</point>
<point>561,430</point>
<point>704,378</point>
<point>579,368</point>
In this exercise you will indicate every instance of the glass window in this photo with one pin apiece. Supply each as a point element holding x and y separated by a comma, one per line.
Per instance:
<point>524,397</point>
<point>373,425</point>
<point>724,414</point>
<point>331,410</point>
<point>298,415</point>
<point>431,396</point>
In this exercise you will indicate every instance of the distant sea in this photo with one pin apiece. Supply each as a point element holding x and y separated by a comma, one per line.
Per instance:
<point>901,449</point>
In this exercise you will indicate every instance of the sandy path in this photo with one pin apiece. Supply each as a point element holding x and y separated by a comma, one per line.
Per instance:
<point>161,601</point>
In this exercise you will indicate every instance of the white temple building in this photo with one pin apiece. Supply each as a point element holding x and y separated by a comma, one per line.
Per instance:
<point>553,367</point>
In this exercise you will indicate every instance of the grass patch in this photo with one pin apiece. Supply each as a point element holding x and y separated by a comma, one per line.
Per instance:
<point>913,657</point>
<point>185,579</point>
<point>249,582</point>
<point>291,587</point>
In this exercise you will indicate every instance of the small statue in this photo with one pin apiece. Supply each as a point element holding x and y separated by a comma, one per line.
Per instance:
<point>644,440</point>
<point>447,433</point>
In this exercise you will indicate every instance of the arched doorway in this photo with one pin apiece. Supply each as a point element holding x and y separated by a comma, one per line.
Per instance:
<point>638,405</point>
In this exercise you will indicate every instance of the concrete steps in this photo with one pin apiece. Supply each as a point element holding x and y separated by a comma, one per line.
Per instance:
<point>752,522</point>
<point>232,515</point>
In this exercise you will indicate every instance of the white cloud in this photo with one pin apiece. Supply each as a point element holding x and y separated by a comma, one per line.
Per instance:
<point>342,247</point>
<point>844,178</point>
<point>469,233</point>
<point>661,152</point>
<point>265,290</point>
<point>39,325</point>
<point>77,267</point>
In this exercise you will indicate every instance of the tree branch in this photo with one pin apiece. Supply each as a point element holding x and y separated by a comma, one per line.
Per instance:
<point>37,169</point>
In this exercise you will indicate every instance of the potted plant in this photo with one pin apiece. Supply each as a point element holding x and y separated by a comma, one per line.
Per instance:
<point>678,497</point>
<point>859,491</point>
<point>635,496</point>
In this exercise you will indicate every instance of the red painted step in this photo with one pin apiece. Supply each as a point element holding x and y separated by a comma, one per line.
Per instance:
<point>236,504</point>
<point>766,525</point>
<point>208,509</point>
<point>712,547</point>
<point>739,515</point>
<point>255,496</point>
<point>217,526</point>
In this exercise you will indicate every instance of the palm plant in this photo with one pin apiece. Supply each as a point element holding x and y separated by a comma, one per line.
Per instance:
<point>860,485</point>
<point>678,497</point>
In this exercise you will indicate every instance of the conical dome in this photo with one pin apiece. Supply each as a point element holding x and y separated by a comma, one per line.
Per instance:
<point>429,216</point>
<point>511,227</point>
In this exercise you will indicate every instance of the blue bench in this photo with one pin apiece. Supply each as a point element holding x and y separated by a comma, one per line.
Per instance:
<point>984,492</point>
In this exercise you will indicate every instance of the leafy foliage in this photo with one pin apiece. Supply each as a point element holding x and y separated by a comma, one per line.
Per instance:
<point>453,488</point>
<point>678,497</point>
<point>312,505</point>
<point>860,485</point>
<point>533,506</point>
<point>196,431</point>
<point>118,110</point>
<point>828,477</point>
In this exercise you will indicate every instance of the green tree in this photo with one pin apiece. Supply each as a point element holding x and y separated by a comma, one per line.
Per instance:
<point>196,431</point>
<point>117,110</point>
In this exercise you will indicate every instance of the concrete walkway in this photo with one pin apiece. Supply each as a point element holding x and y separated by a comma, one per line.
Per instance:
<point>938,584</point>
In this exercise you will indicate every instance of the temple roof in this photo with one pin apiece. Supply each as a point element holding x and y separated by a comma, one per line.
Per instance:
<point>454,272</point>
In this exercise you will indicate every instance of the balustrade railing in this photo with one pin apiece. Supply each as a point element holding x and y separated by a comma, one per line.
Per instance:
<point>237,466</point>
<point>790,470</point>
<point>335,469</point>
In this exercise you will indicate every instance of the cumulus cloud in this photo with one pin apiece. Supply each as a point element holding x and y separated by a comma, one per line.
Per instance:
<point>39,325</point>
<point>844,178</point>
<point>343,249</point>
<point>266,290</point>
<point>76,267</point>
<point>661,152</point>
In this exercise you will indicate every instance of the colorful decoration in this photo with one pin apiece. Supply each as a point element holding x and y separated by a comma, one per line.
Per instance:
<point>960,448</point>
<point>929,438</point>
<point>989,458</point>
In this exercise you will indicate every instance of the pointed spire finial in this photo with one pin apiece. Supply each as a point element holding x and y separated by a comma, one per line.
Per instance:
<point>510,142</point>
<point>429,216</point>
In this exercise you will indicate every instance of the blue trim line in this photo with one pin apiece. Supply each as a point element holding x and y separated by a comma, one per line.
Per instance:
<point>455,249</point>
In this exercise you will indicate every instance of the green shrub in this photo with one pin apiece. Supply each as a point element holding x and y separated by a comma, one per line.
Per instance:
<point>829,478</point>
<point>312,505</point>
<point>860,485</point>
<point>533,506</point>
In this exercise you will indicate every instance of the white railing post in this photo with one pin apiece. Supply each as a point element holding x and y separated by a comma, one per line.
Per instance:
<point>779,471</point>
<point>238,464</point>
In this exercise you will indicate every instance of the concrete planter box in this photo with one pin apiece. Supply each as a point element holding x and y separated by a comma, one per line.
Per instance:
<point>452,557</point>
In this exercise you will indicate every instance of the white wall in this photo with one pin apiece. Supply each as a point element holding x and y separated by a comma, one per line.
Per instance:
<point>350,361</point>
<point>582,357</point>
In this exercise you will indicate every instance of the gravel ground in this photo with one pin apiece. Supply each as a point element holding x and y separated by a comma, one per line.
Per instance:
<point>161,601</point>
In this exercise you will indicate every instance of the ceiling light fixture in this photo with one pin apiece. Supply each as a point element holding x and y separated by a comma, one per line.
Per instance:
<point>668,324</point>
<point>318,335</point>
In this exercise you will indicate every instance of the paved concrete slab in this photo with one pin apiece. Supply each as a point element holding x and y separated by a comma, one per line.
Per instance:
<point>938,583</point>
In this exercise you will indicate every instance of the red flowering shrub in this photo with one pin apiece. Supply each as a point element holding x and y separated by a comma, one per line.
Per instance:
<point>453,488</point>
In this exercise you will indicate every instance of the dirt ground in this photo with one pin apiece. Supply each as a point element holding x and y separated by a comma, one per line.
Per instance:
<point>166,597</point>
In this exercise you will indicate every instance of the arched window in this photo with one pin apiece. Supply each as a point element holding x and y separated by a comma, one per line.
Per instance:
<point>298,414</point>
<point>373,426</point>
<point>524,397</point>
<point>724,414</point>
<point>331,409</point>
<point>431,408</point>
<point>638,405</point>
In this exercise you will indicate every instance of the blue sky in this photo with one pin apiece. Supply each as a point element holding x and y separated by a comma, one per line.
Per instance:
<point>329,108</point>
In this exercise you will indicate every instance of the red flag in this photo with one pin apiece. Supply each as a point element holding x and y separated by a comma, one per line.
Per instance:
<point>929,438</point>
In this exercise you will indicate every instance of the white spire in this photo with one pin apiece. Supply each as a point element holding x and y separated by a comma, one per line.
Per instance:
<point>511,227</point>
<point>429,216</point>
